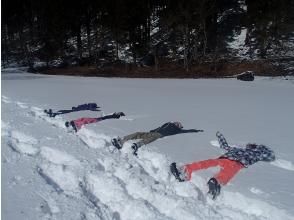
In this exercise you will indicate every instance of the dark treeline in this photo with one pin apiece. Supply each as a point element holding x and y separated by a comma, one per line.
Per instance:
<point>105,32</point>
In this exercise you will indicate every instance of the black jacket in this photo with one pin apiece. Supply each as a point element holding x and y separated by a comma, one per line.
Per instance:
<point>171,129</point>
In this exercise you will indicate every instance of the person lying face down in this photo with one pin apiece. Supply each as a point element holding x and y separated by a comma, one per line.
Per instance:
<point>167,129</point>
<point>77,124</point>
<point>231,163</point>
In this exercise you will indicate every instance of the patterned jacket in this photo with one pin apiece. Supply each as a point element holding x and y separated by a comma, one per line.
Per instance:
<point>249,155</point>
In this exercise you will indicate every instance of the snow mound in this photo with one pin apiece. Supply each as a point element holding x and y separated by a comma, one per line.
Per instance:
<point>39,113</point>
<point>92,139</point>
<point>58,157</point>
<point>5,99</point>
<point>111,191</point>
<point>60,178</point>
<point>256,209</point>
<point>22,105</point>
<point>22,143</point>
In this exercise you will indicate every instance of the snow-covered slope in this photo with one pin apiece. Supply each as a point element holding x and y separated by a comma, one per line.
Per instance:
<point>51,173</point>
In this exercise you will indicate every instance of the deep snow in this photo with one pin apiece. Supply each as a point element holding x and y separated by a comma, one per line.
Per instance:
<point>51,173</point>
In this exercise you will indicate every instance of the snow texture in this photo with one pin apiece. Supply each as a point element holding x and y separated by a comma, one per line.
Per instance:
<point>50,172</point>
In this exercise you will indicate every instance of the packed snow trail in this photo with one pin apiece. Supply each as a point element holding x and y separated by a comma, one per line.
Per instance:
<point>76,176</point>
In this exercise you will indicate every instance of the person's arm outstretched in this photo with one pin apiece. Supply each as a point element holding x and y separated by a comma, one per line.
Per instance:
<point>114,115</point>
<point>266,154</point>
<point>190,131</point>
<point>222,141</point>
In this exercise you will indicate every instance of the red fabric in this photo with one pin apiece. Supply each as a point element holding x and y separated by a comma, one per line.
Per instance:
<point>83,121</point>
<point>229,168</point>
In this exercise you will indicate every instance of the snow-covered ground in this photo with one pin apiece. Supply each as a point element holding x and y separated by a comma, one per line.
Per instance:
<point>51,173</point>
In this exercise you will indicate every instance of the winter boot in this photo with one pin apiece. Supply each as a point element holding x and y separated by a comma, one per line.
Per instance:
<point>116,142</point>
<point>72,124</point>
<point>214,188</point>
<point>174,170</point>
<point>135,148</point>
<point>50,113</point>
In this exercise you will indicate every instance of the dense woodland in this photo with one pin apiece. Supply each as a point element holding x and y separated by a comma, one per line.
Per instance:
<point>144,32</point>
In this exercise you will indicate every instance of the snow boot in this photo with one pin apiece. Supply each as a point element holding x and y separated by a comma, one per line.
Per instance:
<point>50,113</point>
<point>214,188</point>
<point>174,170</point>
<point>116,142</point>
<point>67,124</point>
<point>72,124</point>
<point>135,148</point>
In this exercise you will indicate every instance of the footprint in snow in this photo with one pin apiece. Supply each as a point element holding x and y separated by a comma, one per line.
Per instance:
<point>39,113</point>
<point>22,143</point>
<point>5,99</point>
<point>60,170</point>
<point>21,105</point>
<point>58,157</point>
<point>62,179</point>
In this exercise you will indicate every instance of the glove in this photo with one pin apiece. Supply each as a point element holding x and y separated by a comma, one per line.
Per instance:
<point>118,114</point>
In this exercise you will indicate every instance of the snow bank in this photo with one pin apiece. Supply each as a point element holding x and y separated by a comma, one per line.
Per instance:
<point>22,143</point>
<point>79,176</point>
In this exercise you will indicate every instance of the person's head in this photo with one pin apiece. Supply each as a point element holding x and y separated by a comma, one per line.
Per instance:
<point>251,146</point>
<point>178,124</point>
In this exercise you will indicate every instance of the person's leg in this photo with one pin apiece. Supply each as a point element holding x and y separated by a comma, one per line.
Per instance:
<point>145,139</point>
<point>134,136</point>
<point>83,121</point>
<point>204,164</point>
<point>148,138</point>
<point>229,168</point>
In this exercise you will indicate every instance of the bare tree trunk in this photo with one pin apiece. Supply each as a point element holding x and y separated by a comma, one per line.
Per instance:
<point>186,48</point>
<point>156,62</point>
<point>89,45</point>
<point>97,37</point>
<point>117,50</point>
<point>79,41</point>
<point>5,45</point>
<point>26,56</point>
<point>205,39</point>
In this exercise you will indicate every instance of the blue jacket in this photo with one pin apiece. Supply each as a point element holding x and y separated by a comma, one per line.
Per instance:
<point>248,155</point>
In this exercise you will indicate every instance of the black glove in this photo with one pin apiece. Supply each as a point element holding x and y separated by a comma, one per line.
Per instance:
<point>118,114</point>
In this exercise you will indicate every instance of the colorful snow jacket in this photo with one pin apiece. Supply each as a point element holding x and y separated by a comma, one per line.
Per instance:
<point>170,128</point>
<point>248,155</point>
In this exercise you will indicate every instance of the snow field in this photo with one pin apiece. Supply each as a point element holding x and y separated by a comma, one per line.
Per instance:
<point>117,185</point>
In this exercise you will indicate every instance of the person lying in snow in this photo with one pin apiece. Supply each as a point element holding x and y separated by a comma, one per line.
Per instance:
<point>231,162</point>
<point>88,106</point>
<point>169,128</point>
<point>78,123</point>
